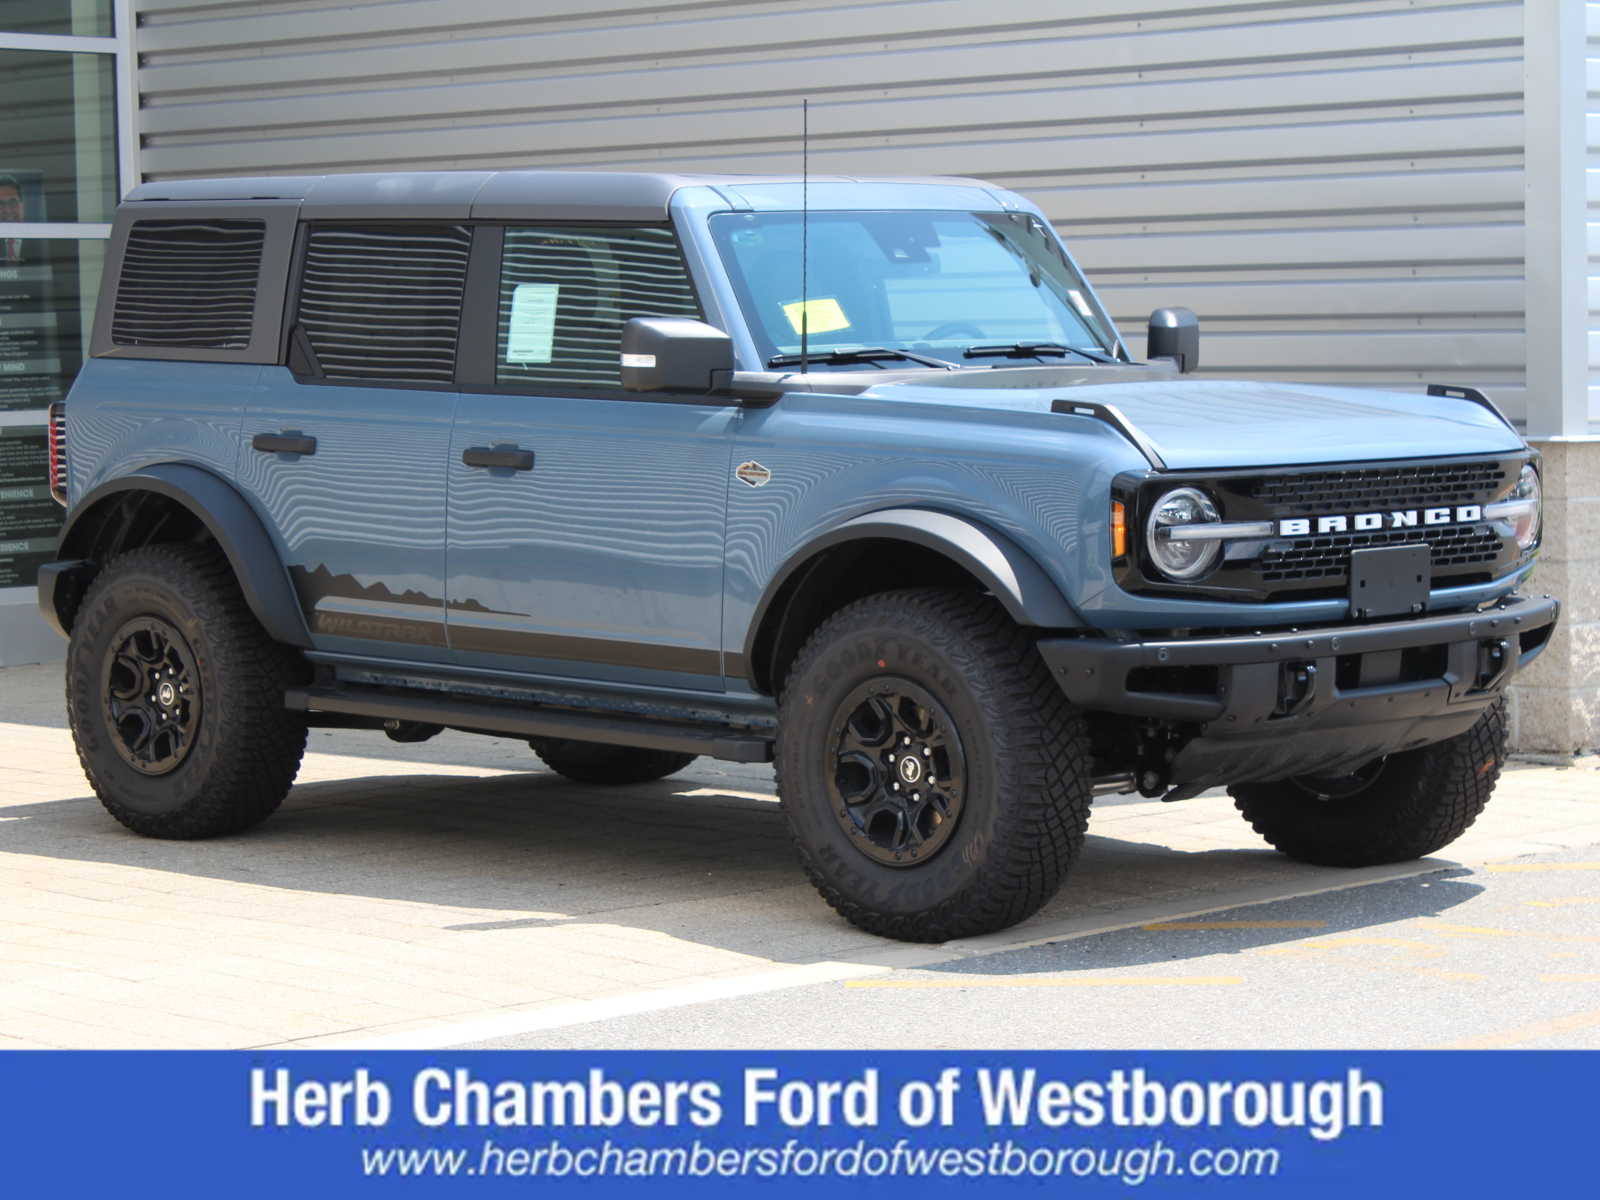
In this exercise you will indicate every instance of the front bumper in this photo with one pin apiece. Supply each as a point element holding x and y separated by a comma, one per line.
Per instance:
<point>1270,705</point>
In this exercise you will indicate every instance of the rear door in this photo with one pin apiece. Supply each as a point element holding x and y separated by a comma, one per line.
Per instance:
<point>344,448</point>
<point>586,522</point>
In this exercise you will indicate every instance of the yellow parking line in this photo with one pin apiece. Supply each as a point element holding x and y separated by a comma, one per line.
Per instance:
<point>1507,867</point>
<point>1408,969</point>
<point>1451,930</point>
<point>1337,943</point>
<point>1011,981</point>
<point>1519,1034</point>
<point>1562,901</point>
<point>1478,930</point>
<point>1163,926</point>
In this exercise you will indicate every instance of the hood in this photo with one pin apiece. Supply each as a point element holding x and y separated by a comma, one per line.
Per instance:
<point>1203,423</point>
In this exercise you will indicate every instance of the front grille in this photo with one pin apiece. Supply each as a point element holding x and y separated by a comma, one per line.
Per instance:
<point>1318,565</point>
<point>1378,488</point>
<point>1328,557</point>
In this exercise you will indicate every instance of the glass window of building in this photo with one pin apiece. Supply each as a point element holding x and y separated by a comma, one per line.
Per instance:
<point>59,185</point>
<point>58,138</point>
<point>62,18</point>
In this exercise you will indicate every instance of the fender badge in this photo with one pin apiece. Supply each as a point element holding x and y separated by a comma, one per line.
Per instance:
<point>753,473</point>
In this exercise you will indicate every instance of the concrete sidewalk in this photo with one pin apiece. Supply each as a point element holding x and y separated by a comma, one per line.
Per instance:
<point>404,892</point>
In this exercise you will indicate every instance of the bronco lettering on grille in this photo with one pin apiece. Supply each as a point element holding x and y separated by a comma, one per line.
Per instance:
<point>1461,514</point>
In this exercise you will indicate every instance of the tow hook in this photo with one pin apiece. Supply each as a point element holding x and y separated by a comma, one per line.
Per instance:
<point>1494,660</point>
<point>1297,683</point>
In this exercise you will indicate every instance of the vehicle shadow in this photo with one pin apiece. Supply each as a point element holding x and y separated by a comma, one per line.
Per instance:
<point>702,857</point>
<point>1331,917</point>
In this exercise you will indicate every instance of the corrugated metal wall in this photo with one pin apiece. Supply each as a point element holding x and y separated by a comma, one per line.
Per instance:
<point>1334,185</point>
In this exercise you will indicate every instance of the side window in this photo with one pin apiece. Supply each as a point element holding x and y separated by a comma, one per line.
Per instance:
<point>383,303</point>
<point>188,284</point>
<point>565,294</point>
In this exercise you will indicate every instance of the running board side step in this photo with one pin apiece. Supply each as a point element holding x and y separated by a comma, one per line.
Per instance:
<point>487,716</point>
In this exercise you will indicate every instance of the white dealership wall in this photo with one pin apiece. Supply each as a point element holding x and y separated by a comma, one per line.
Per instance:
<point>1350,191</point>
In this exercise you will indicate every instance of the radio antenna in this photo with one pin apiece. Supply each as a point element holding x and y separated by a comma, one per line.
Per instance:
<point>805,241</point>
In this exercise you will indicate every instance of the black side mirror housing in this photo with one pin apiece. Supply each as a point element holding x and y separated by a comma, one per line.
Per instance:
<point>674,354</point>
<point>1175,334</point>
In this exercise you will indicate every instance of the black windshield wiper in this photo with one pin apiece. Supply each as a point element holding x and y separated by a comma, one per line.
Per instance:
<point>866,354</point>
<point>1035,350</point>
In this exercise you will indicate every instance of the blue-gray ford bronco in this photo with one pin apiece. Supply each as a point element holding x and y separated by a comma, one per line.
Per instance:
<point>854,476</point>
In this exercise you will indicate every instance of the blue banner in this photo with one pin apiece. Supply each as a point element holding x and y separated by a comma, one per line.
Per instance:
<point>241,1124</point>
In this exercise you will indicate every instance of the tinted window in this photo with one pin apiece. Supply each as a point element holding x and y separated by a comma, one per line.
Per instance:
<point>384,304</point>
<point>565,295</point>
<point>188,284</point>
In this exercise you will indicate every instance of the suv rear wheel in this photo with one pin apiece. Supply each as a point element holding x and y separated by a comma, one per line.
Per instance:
<point>597,762</point>
<point>935,780</point>
<point>1394,809</point>
<point>175,697</point>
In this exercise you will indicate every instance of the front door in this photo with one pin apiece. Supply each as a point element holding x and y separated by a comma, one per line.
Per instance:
<point>345,448</point>
<point>585,523</point>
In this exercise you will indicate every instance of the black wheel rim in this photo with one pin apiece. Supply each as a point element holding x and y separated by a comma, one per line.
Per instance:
<point>898,774</point>
<point>151,695</point>
<point>1328,788</point>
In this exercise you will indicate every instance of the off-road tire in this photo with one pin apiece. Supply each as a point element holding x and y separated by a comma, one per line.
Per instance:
<point>246,746</point>
<point>1420,802</point>
<point>1025,802</point>
<point>607,765</point>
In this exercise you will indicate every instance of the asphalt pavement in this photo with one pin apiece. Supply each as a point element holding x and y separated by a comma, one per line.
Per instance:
<point>1504,955</point>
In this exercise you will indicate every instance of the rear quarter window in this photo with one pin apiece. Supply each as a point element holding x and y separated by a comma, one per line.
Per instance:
<point>383,303</point>
<point>188,284</point>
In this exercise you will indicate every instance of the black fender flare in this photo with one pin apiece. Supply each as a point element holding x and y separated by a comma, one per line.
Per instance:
<point>232,523</point>
<point>1028,595</point>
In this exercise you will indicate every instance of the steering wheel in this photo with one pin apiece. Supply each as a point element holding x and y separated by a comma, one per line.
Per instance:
<point>951,329</point>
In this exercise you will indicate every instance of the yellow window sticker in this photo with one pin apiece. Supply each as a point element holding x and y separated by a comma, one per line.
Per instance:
<point>822,316</point>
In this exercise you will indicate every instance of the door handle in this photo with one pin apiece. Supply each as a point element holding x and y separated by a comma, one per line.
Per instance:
<point>508,457</point>
<point>284,443</point>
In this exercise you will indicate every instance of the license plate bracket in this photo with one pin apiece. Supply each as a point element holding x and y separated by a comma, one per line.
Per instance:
<point>1388,581</point>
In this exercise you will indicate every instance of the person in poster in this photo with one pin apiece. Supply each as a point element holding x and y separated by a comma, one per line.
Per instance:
<point>12,211</point>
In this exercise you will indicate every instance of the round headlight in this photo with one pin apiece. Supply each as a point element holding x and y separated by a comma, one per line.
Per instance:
<point>1174,557</point>
<point>1525,524</point>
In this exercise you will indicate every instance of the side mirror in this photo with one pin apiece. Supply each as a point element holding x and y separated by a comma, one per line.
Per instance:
<point>673,354</point>
<point>1174,334</point>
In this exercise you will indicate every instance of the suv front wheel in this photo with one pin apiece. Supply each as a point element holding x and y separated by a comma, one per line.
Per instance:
<point>175,697</point>
<point>1394,809</point>
<point>935,780</point>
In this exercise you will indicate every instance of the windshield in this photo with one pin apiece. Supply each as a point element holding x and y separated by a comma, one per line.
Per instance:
<point>934,283</point>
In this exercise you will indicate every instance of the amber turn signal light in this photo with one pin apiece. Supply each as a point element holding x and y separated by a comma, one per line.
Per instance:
<point>1119,529</point>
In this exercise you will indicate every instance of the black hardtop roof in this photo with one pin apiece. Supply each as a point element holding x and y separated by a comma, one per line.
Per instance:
<point>549,194</point>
